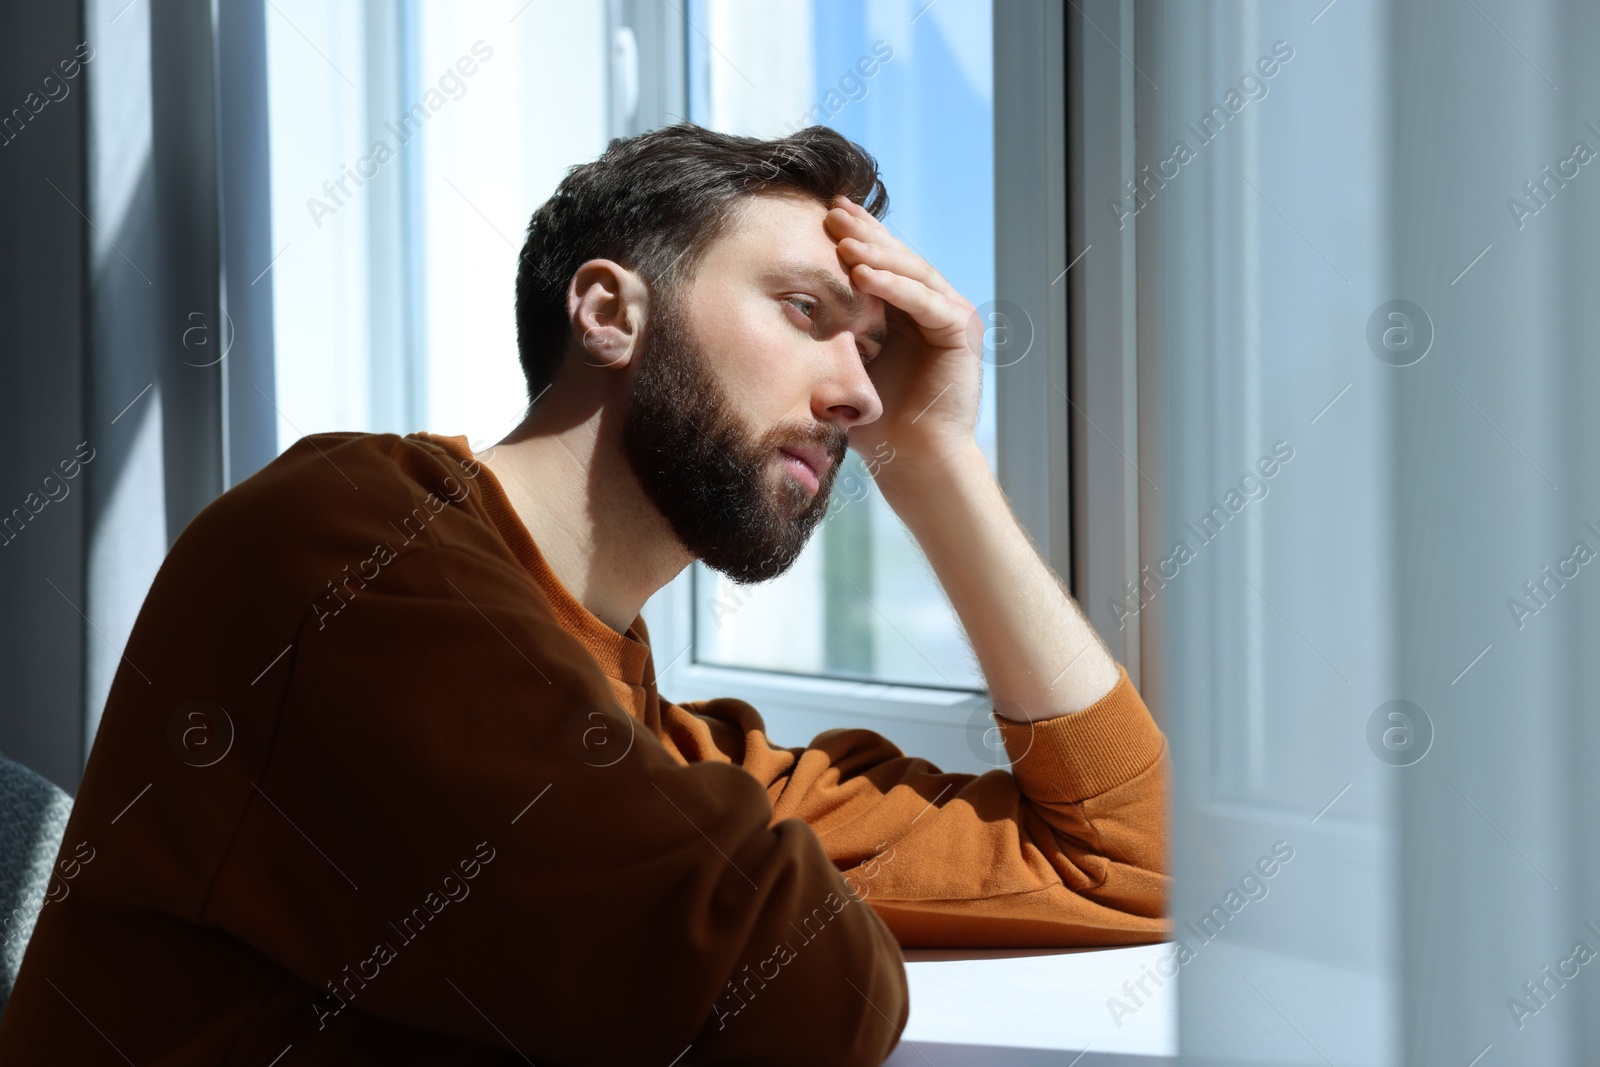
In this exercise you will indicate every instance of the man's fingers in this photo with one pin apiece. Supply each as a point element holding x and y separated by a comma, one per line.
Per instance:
<point>882,264</point>
<point>857,221</point>
<point>867,236</point>
<point>902,261</point>
<point>943,323</point>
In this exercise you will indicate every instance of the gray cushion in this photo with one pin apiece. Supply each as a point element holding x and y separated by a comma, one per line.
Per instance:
<point>33,818</point>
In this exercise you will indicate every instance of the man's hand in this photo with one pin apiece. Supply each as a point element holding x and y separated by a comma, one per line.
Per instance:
<point>929,372</point>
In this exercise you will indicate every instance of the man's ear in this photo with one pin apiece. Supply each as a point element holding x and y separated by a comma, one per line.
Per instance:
<point>607,304</point>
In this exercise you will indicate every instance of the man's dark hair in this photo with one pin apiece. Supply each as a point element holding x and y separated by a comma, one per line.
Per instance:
<point>655,203</point>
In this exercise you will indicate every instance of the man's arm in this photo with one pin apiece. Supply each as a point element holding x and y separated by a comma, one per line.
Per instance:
<point>432,716</point>
<point>1069,847</point>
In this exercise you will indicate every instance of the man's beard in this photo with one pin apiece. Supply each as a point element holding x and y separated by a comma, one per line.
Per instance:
<point>706,473</point>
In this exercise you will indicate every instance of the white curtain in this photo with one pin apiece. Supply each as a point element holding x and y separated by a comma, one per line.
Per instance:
<point>1366,385</point>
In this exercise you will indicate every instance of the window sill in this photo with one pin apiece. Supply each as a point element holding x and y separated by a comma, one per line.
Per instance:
<point>683,682</point>
<point>1026,1007</point>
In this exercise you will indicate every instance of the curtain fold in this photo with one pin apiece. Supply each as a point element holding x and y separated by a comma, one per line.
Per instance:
<point>178,384</point>
<point>44,239</point>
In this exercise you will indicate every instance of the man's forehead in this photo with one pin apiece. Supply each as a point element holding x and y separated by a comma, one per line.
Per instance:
<point>769,226</point>
<point>786,210</point>
<point>784,238</point>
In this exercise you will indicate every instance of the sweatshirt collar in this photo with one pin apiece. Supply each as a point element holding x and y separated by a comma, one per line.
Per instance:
<point>621,656</point>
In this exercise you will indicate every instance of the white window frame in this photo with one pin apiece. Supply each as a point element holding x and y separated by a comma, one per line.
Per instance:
<point>1032,406</point>
<point>1108,481</point>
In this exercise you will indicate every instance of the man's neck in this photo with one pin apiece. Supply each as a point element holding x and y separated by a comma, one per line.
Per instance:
<point>573,489</point>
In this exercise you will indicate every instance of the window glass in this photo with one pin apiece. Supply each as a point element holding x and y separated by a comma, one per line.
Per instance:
<point>410,144</point>
<point>535,108</point>
<point>316,67</point>
<point>912,83</point>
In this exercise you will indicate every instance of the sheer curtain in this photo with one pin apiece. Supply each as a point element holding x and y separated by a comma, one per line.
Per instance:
<point>1268,522</point>
<point>1495,234</point>
<point>138,378</point>
<point>43,303</point>
<point>179,387</point>
<point>1365,247</point>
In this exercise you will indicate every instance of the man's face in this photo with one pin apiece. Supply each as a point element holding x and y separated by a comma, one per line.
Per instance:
<point>758,356</point>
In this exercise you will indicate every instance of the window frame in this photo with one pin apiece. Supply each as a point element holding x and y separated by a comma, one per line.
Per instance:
<point>1108,483</point>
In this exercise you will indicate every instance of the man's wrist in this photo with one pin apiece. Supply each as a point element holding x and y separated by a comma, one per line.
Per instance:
<point>913,484</point>
<point>1092,675</point>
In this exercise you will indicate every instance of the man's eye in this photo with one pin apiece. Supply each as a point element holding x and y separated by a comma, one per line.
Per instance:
<point>798,300</point>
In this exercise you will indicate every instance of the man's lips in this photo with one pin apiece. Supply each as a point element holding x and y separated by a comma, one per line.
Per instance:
<point>809,462</point>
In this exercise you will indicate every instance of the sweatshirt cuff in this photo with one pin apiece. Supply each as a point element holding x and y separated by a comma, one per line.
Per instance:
<point>1082,754</point>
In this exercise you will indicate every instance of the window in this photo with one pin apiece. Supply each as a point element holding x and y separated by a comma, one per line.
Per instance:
<point>973,152</point>
<point>410,143</point>
<point>914,87</point>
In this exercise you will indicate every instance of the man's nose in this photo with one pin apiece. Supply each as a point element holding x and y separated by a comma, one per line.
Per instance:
<point>848,396</point>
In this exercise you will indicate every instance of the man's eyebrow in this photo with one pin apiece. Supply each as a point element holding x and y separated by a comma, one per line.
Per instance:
<point>840,293</point>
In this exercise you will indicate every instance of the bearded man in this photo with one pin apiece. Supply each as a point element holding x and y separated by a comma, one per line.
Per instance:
<point>392,783</point>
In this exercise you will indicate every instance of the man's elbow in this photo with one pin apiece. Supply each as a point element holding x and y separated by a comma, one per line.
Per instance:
<point>841,1001</point>
<point>881,1016</point>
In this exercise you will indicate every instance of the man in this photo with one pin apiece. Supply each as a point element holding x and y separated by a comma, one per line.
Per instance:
<point>385,777</point>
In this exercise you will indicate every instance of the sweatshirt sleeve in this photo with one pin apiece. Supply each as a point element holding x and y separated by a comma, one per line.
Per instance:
<point>436,839</point>
<point>1068,848</point>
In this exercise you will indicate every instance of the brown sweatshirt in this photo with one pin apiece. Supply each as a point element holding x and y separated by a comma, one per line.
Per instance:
<point>372,786</point>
